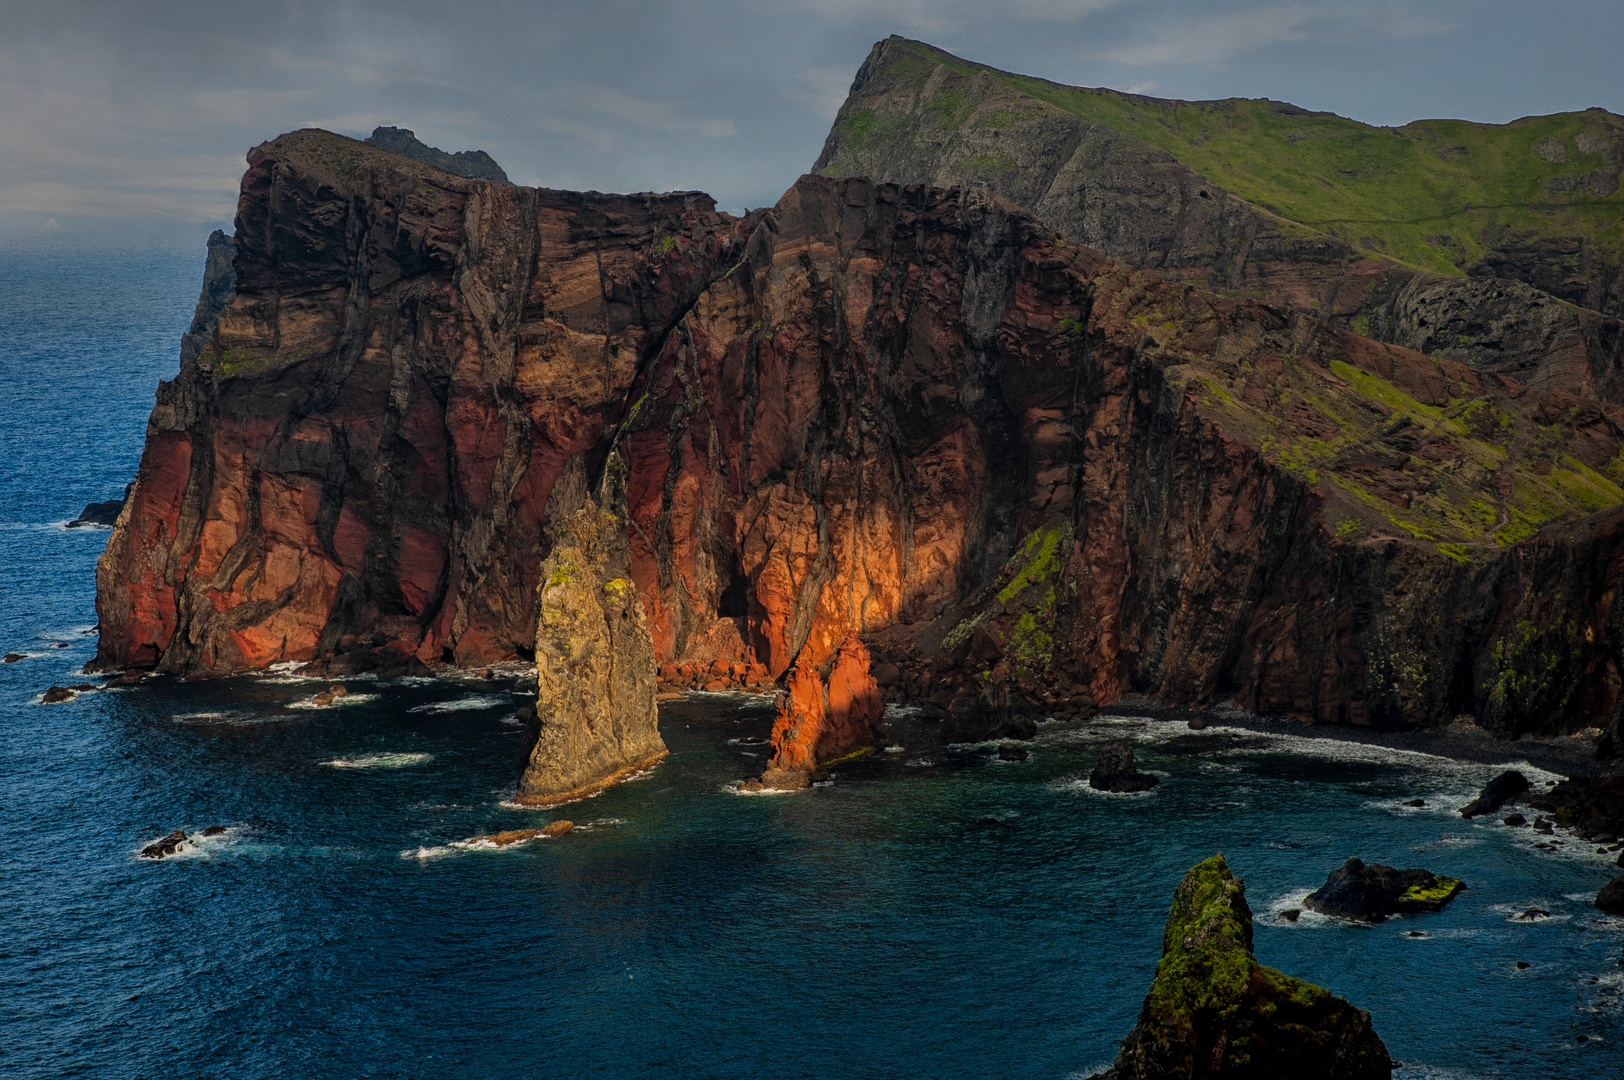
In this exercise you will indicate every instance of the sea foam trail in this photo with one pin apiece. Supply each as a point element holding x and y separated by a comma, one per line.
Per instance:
<point>348,699</point>
<point>379,761</point>
<point>460,704</point>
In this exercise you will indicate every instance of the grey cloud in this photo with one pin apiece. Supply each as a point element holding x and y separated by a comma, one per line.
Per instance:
<point>143,111</point>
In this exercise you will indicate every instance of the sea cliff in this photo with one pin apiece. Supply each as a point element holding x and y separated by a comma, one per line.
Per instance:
<point>915,414</point>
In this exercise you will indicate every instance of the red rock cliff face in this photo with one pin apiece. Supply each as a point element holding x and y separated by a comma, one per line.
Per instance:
<point>912,413</point>
<point>365,455</point>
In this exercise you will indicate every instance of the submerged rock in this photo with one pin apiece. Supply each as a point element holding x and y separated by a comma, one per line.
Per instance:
<point>1011,752</point>
<point>1611,897</point>
<point>595,712</point>
<point>1214,1011</point>
<point>169,845</point>
<point>1496,793</point>
<point>1116,771</point>
<point>214,830</point>
<point>1370,893</point>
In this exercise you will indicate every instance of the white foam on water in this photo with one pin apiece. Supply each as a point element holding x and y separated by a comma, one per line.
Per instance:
<point>511,720</point>
<point>600,823</point>
<point>895,749</point>
<point>484,701</point>
<point>211,716</point>
<point>380,761</point>
<point>348,699</point>
<point>427,852</point>
<point>749,740</point>
<point>894,711</point>
<point>918,763</point>
<point>736,788</point>
<point>1306,920</point>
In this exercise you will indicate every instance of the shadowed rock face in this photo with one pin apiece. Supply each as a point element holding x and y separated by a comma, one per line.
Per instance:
<point>1214,1011</point>
<point>595,721</point>
<point>913,413</point>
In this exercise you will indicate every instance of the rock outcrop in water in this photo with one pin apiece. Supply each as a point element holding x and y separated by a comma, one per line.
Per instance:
<point>1370,893</point>
<point>824,720</point>
<point>1017,469</point>
<point>1115,770</point>
<point>1214,1011</point>
<point>1496,793</point>
<point>595,722</point>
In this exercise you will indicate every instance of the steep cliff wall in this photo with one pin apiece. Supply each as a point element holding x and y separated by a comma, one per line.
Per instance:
<point>913,413</point>
<point>1307,210</point>
<point>363,457</point>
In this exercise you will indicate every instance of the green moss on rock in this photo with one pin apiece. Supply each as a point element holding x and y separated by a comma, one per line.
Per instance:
<point>1214,1011</point>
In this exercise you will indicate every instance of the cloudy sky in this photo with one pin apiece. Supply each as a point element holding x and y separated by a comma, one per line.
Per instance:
<point>122,113</point>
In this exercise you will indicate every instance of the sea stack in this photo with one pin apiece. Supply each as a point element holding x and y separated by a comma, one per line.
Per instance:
<point>823,721</point>
<point>1214,1011</point>
<point>595,721</point>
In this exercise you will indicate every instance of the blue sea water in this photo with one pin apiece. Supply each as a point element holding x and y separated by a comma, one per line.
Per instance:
<point>930,914</point>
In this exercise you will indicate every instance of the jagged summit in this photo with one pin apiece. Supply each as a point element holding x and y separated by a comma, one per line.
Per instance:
<point>473,164</point>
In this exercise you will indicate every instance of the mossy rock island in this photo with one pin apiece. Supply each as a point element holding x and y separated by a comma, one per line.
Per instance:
<point>1370,893</point>
<point>1214,1011</point>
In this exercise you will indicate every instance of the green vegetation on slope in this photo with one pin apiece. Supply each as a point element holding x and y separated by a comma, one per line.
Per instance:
<point>1435,193</point>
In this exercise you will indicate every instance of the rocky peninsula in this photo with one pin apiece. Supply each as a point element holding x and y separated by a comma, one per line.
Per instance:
<point>914,433</point>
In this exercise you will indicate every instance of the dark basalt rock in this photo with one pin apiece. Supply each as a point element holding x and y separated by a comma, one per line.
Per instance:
<point>1010,752</point>
<point>1611,897</point>
<point>472,164</point>
<point>12,658</point>
<point>1515,820</point>
<point>1115,771</point>
<point>214,830</point>
<point>1416,802</point>
<point>167,846</point>
<point>1214,1011</point>
<point>1371,893</point>
<point>58,694</point>
<point>1594,804</point>
<point>1496,793</point>
<point>101,513</point>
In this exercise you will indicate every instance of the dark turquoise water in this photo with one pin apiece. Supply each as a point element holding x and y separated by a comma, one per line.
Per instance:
<point>928,915</point>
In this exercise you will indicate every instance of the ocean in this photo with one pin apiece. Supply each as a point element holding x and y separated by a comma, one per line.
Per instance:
<point>931,913</point>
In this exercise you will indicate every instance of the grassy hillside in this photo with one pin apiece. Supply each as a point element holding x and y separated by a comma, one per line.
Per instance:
<point>1436,194</point>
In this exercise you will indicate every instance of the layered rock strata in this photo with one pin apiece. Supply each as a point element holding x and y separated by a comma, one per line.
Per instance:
<point>595,722</point>
<point>1024,474</point>
<point>1214,1011</point>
